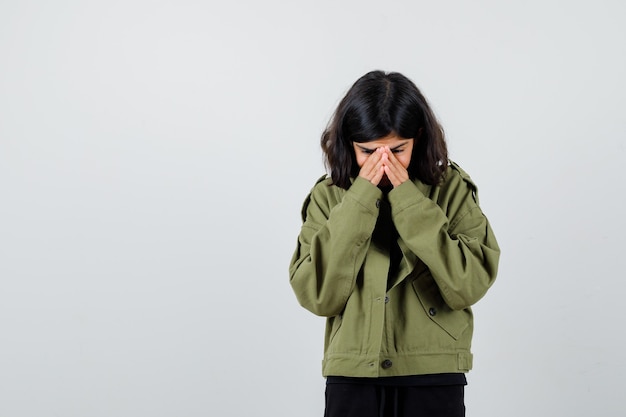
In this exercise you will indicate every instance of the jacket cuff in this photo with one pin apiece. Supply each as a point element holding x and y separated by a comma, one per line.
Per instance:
<point>365,194</point>
<point>405,195</point>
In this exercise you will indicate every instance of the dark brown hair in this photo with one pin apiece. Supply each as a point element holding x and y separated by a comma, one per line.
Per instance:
<point>377,105</point>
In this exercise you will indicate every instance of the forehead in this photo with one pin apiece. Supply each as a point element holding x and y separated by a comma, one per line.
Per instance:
<point>392,140</point>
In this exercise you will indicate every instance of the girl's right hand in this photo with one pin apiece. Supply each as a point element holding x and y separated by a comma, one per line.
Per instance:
<point>373,169</point>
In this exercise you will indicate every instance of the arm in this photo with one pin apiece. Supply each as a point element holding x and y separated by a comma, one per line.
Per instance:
<point>332,245</point>
<point>461,252</point>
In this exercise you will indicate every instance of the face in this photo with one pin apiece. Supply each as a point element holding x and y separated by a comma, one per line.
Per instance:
<point>402,149</point>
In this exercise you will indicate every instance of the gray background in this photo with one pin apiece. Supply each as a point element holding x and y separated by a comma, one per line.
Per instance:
<point>154,156</point>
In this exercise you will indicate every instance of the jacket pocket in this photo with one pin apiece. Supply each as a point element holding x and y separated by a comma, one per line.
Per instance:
<point>453,322</point>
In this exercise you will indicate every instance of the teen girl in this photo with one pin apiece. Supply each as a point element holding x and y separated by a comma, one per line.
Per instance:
<point>393,251</point>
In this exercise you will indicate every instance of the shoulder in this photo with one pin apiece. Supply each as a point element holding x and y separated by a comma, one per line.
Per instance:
<point>324,194</point>
<point>324,188</point>
<point>456,194</point>
<point>456,180</point>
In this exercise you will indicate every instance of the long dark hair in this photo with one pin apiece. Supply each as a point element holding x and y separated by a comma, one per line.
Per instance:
<point>376,105</point>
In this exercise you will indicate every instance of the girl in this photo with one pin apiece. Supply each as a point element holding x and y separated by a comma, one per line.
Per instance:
<point>393,251</point>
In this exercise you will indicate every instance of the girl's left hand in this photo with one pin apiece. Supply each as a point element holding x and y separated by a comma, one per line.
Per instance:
<point>394,170</point>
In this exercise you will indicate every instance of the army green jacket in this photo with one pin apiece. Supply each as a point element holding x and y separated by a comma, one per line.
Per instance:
<point>395,274</point>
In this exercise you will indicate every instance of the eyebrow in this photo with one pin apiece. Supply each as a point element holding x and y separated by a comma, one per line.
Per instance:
<point>364,148</point>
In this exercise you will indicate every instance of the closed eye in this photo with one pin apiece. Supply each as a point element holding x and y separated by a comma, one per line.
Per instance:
<point>365,150</point>
<point>399,148</point>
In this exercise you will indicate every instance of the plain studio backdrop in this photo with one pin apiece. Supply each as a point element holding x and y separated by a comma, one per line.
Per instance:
<point>154,156</point>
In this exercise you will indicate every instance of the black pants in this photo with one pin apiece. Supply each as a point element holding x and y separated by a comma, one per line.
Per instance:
<point>363,400</point>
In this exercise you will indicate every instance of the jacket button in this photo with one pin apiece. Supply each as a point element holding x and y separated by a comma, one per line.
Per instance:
<point>377,203</point>
<point>386,364</point>
<point>432,311</point>
<point>386,300</point>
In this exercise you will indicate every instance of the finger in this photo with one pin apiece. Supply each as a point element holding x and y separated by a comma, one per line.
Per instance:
<point>395,171</point>
<point>392,156</point>
<point>377,169</point>
<point>393,177</point>
<point>389,159</point>
<point>366,168</point>
<point>391,174</point>
<point>378,175</point>
<point>371,161</point>
<point>394,164</point>
<point>371,166</point>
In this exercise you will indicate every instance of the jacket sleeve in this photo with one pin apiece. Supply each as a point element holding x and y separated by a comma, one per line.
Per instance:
<point>332,245</point>
<point>461,252</point>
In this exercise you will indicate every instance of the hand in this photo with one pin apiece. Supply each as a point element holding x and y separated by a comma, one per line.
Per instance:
<point>373,170</point>
<point>394,170</point>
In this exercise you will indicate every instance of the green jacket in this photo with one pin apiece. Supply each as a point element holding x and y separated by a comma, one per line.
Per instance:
<point>395,274</point>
